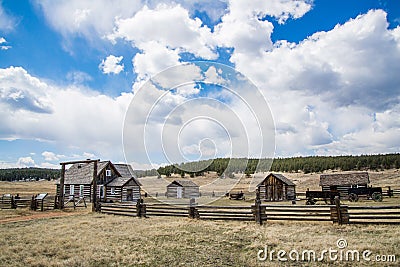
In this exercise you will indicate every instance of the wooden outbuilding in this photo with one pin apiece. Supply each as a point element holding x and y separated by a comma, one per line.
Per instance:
<point>124,188</point>
<point>183,189</point>
<point>341,182</point>
<point>276,187</point>
<point>78,181</point>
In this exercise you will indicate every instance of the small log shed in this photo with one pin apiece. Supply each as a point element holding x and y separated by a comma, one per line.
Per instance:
<point>183,189</point>
<point>276,187</point>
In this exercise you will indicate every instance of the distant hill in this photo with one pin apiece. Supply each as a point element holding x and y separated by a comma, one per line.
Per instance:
<point>28,174</point>
<point>228,166</point>
<point>295,164</point>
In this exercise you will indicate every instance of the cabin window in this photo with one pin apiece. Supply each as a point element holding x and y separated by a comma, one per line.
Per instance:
<point>101,191</point>
<point>108,173</point>
<point>71,190</point>
<point>112,190</point>
<point>81,190</point>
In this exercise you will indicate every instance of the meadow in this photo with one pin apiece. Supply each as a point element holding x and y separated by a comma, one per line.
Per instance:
<point>83,238</point>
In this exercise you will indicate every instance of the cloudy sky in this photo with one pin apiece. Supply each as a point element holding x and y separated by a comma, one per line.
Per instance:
<point>329,72</point>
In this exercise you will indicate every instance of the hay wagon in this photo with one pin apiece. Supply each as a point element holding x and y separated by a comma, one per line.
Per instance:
<point>313,196</point>
<point>237,196</point>
<point>374,193</point>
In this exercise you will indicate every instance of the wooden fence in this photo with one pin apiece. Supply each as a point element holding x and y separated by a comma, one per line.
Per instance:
<point>47,203</point>
<point>386,192</point>
<point>340,214</point>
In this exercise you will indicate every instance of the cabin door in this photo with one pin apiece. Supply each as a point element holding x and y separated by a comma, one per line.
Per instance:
<point>179,192</point>
<point>129,194</point>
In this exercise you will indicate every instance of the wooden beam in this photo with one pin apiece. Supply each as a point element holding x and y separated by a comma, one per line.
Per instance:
<point>94,191</point>
<point>79,161</point>
<point>62,178</point>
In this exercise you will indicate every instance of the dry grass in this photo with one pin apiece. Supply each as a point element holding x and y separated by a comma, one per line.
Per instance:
<point>90,239</point>
<point>106,240</point>
<point>27,189</point>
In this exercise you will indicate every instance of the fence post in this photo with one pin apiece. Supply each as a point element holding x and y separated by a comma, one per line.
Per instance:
<point>13,203</point>
<point>258,209</point>
<point>339,213</point>
<point>390,192</point>
<point>33,203</point>
<point>140,209</point>
<point>193,212</point>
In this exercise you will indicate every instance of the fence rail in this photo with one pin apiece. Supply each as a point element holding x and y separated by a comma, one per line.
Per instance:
<point>46,203</point>
<point>341,214</point>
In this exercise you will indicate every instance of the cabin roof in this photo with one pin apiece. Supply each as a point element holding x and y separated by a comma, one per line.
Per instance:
<point>127,174</point>
<point>353,178</point>
<point>183,183</point>
<point>280,177</point>
<point>82,173</point>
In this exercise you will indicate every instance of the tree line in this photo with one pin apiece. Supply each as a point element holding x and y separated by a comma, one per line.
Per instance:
<point>295,164</point>
<point>226,166</point>
<point>28,174</point>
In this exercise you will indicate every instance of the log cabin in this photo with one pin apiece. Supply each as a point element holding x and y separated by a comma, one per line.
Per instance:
<point>341,182</point>
<point>78,182</point>
<point>124,188</point>
<point>276,187</point>
<point>183,189</point>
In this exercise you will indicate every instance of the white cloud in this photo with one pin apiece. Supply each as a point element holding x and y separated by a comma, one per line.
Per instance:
<point>78,77</point>
<point>112,64</point>
<point>49,156</point>
<point>71,117</point>
<point>153,59</point>
<point>25,162</point>
<point>331,88</point>
<point>154,25</point>
<point>2,44</point>
<point>91,18</point>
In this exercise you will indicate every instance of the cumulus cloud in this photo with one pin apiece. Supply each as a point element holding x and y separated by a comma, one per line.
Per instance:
<point>50,156</point>
<point>91,19</point>
<point>25,162</point>
<point>335,92</point>
<point>20,91</point>
<point>112,64</point>
<point>74,117</point>
<point>154,25</point>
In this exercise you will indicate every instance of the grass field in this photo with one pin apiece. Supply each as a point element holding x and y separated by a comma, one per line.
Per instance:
<point>106,240</point>
<point>82,238</point>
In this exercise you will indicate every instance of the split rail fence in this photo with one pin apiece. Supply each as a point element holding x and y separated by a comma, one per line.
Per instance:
<point>47,202</point>
<point>340,214</point>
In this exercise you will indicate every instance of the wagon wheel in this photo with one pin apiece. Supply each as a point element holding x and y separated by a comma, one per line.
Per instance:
<point>377,197</point>
<point>353,197</point>
<point>310,201</point>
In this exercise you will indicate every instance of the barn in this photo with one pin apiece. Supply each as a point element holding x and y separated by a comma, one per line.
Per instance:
<point>276,187</point>
<point>124,188</point>
<point>78,181</point>
<point>341,182</point>
<point>183,189</point>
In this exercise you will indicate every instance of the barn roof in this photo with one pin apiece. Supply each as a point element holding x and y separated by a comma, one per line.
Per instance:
<point>82,173</point>
<point>127,174</point>
<point>183,183</point>
<point>353,178</point>
<point>280,177</point>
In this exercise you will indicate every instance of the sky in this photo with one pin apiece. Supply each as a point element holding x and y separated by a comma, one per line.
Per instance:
<point>156,82</point>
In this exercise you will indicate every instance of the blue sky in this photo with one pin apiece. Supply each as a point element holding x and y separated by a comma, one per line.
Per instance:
<point>69,70</point>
